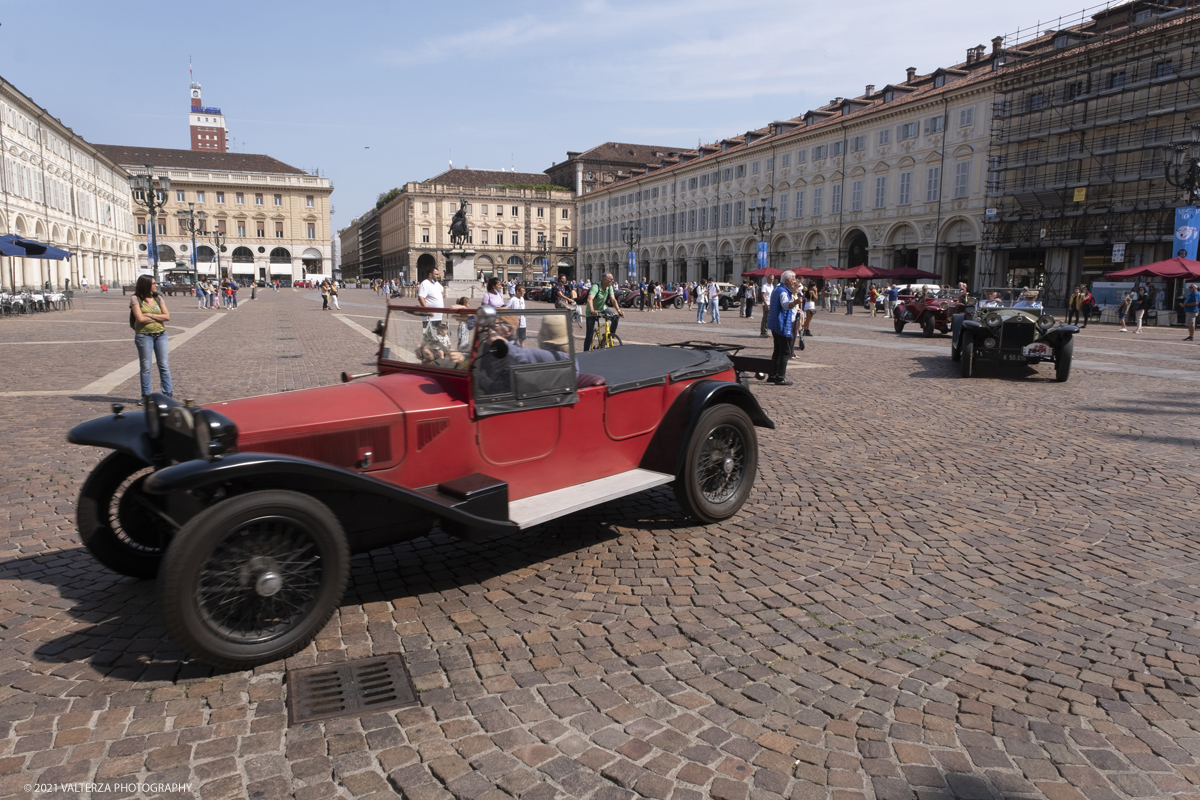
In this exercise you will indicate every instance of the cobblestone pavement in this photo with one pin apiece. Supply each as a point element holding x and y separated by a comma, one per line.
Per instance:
<point>939,588</point>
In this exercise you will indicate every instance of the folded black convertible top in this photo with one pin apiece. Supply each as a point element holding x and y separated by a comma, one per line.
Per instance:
<point>634,366</point>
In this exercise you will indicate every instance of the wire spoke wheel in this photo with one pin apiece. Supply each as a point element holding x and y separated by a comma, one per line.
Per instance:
<point>719,463</point>
<point>722,464</point>
<point>253,579</point>
<point>260,580</point>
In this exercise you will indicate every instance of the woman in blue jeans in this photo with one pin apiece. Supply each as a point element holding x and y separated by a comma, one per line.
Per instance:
<point>149,314</point>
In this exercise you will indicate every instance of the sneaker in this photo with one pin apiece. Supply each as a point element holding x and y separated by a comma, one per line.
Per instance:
<point>1124,330</point>
<point>1188,338</point>
<point>779,382</point>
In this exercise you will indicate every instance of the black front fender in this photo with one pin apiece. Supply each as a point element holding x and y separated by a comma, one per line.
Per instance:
<point>666,447</point>
<point>262,470</point>
<point>127,434</point>
<point>1060,335</point>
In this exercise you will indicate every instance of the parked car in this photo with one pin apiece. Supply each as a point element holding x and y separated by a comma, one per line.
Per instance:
<point>670,297</point>
<point>1008,326</point>
<point>247,511</point>
<point>929,308</point>
<point>727,296</point>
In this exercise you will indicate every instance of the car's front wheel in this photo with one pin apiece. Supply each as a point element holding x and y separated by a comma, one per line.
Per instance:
<point>1062,360</point>
<point>927,325</point>
<point>118,522</point>
<point>956,349</point>
<point>254,578</point>
<point>719,464</point>
<point>639,303</point>
<point>723,304</point>
<point>899,323</point>
<point>966,361</point>
<point>679,301</point>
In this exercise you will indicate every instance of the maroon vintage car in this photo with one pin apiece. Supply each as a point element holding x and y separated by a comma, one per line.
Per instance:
<point>932,311</point>
<point>247,511</point>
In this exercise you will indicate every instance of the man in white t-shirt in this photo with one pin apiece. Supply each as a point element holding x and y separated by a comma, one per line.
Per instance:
<point>765,290</point>
<point>714,292</point>
<point>431,293</point>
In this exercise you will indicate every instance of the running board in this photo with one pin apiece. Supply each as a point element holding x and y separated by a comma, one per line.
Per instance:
<point>540,508</point>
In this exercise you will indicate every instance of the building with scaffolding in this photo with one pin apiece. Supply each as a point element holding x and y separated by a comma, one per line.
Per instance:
<point>1083,118</point>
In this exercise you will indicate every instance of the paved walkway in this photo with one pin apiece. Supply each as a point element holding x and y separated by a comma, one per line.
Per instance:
<point>939,588</point>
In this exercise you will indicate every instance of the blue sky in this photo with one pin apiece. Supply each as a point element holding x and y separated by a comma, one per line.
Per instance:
<point>376,94</point>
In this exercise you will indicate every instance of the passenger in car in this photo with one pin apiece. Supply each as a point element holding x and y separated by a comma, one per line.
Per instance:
<point>990,300</point>
<point>1028,300</point>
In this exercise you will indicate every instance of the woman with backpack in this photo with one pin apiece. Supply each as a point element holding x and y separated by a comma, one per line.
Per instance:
<point>147,315</point>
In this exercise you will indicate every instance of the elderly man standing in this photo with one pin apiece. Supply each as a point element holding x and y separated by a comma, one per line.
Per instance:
<point>783,300</point>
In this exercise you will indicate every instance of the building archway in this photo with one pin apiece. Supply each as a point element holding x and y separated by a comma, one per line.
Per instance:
<point>425,263</point>
<point>857,248</point>
<point>312,260</point>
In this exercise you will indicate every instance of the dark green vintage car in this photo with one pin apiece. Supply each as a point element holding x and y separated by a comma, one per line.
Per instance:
<point>1008,326</point>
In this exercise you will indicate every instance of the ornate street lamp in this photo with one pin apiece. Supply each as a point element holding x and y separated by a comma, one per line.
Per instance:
<point>545,249</point>
<point>219,238</point>
<point>762,222</point>
<point>632,235</point>
<point>152,199</point>
<point>191,221</point>
<point>1181,165</point>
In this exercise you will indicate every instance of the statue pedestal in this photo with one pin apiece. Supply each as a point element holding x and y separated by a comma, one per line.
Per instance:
<point>461,280</point>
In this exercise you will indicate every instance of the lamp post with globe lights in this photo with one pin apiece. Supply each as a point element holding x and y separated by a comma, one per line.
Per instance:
<point>153,199</point>
<point>191,221</point>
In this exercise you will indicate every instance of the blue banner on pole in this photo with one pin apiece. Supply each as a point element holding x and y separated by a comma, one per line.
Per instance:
<point>545,268</point>
<point>1187,218</point>
<point>151,246</point>
<point>762,255</point>
<point>632,264</point>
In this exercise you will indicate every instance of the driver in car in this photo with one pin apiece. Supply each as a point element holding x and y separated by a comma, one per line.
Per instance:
<point>990,300</point>
<point>497,356</point>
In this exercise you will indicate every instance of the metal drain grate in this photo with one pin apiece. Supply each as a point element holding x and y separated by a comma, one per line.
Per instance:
<point>349,688</point>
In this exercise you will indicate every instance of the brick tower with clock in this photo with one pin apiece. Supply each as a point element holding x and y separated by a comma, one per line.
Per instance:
<point>207,125</point>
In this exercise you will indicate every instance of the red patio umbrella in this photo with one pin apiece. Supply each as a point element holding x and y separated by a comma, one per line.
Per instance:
<point>1176,267</point>
<point>763,272</point>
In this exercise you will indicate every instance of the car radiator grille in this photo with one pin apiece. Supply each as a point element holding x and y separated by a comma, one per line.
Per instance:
<point>1017,334</point>
<point>339,447</point>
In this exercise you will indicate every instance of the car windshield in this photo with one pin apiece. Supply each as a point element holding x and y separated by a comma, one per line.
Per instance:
<point>446,339</point>
<point>1007,297</point>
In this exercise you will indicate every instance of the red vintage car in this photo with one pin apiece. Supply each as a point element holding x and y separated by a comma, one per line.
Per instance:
<point>247,511</point>
<point>933,312</point>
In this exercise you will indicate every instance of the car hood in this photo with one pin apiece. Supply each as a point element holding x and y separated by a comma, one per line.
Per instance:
<point>347,425</point>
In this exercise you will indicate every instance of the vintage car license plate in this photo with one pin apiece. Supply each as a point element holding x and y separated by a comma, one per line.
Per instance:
<point>1039,350</point>
<point>1013,357</point>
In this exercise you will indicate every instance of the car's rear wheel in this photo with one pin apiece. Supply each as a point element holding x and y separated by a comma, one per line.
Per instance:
<point>254,578</point>
<point>723,304</point>
<point>719,464</point>
<point>117,520</point>
<point>966,361</point>
<point>679,301</point>
<point>1062,360</point>
<point>899,324</point>
<point>927,325</point>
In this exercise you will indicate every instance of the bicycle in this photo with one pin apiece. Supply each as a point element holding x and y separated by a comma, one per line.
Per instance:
<point>604,336</point>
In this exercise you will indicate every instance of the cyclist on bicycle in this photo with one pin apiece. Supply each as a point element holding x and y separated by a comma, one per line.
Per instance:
<point>599,298</point>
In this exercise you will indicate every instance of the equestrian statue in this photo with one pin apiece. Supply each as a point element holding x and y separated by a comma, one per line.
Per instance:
<point>458,226</point>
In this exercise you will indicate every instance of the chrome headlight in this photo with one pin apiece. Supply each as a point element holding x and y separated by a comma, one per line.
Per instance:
<point>1045,322</point>
<point>990,342</point>
<point>993,319</point>
<point>216,434</point>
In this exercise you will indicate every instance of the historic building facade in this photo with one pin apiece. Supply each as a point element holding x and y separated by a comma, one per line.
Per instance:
<point>894,176</point>
<point>1079,137</point>
<point>1024,163</point>
<point>59,189</point>
<point>515,219</point>
<point>596,168</point>
<point>348,237</point>
<point>275,217</point>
